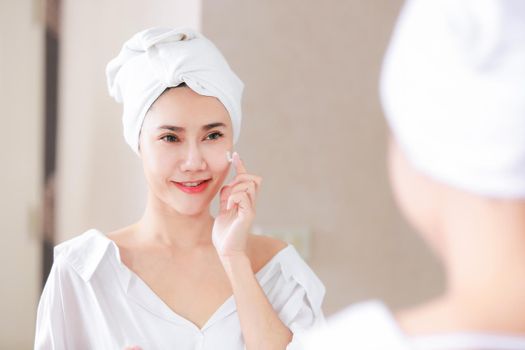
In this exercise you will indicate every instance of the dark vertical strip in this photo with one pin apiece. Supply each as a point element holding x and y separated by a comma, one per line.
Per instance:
<point>51,47</point>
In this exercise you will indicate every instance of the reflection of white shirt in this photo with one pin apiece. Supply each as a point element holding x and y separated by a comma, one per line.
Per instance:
<point>371,326</point>
<point>93,301</point>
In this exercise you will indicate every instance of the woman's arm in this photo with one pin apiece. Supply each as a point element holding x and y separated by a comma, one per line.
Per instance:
<point>51,330</point>
<point>261,327</point>
<point>260,324</point>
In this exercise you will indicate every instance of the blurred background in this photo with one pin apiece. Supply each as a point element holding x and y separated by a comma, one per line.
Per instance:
<point>312,128</point>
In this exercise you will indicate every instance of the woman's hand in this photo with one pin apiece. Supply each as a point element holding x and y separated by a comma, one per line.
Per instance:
<point>237,212</point>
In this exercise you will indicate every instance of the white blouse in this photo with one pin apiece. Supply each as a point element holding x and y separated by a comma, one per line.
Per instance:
<point>371,326</point>
<point>91,300</point>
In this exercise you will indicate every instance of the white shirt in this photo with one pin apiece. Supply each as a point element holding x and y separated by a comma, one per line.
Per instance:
<point>371,326</point>
<point>91,300</point>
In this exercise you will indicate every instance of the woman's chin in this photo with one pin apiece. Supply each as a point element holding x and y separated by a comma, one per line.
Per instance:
<point>190,209</point>
<point>186,205</point>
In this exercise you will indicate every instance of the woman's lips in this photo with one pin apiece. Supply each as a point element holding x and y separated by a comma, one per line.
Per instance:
<point>192,187</point>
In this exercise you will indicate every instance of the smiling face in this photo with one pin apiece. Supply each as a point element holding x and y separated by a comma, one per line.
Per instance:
<point>183,145</point>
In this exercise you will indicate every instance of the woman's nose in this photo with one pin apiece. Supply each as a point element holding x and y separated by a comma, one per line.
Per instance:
<point>193,159</point>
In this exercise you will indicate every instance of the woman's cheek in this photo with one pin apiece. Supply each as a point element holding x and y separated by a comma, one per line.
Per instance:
<point>161,161</point>
<point>218,161</point>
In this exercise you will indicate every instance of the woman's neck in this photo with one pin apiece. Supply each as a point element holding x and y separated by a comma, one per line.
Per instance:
<point>486,262</point>
<point>163,225</point>
<point>484,256</point>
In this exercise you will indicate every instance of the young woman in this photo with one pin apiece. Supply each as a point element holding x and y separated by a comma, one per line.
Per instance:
<point>179,278</point>
<point>454,96</point>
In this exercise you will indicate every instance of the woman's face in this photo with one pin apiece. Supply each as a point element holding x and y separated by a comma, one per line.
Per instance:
<point>183,145</point>
<point>418,196</point>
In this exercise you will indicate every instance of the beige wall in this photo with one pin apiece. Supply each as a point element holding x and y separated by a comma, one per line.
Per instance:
<point>313,129</point>
<point>21,60</point>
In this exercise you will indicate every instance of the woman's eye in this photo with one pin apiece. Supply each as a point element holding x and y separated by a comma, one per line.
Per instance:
<point>214,136</point>
<point>170,138</point>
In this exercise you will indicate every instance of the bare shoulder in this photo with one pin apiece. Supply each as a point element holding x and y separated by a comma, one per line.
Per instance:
<point>122,234</point>
<point>261,249</point>
<point>124,239</point>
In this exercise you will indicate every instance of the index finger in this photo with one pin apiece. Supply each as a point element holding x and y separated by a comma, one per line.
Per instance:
<point>239,165</point>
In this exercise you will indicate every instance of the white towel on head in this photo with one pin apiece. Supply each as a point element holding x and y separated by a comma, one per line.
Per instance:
<point>453,90</point>
<point>158,58</point>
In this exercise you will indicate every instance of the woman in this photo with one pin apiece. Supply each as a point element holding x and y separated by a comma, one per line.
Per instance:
<point>179,278</point>
<point>454,96</point>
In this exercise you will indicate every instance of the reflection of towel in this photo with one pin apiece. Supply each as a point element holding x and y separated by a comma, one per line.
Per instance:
<point>453,90</point>
<point>158,58</point>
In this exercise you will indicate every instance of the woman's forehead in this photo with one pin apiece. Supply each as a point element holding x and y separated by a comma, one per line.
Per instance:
<point>175,122</point>
<point>184,108</point>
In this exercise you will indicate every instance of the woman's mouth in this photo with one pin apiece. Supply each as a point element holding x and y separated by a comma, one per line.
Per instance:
<point>192,186</point>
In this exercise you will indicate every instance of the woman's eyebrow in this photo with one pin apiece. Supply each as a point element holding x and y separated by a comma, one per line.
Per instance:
<point>181,129</point>
<point>171,127</point>
<point>213,125</point>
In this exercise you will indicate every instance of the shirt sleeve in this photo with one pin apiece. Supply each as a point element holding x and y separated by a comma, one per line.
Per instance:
<point>50,323</point>
<point>302,318</point>
<point>364,326</point>
<point>296,294</point>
